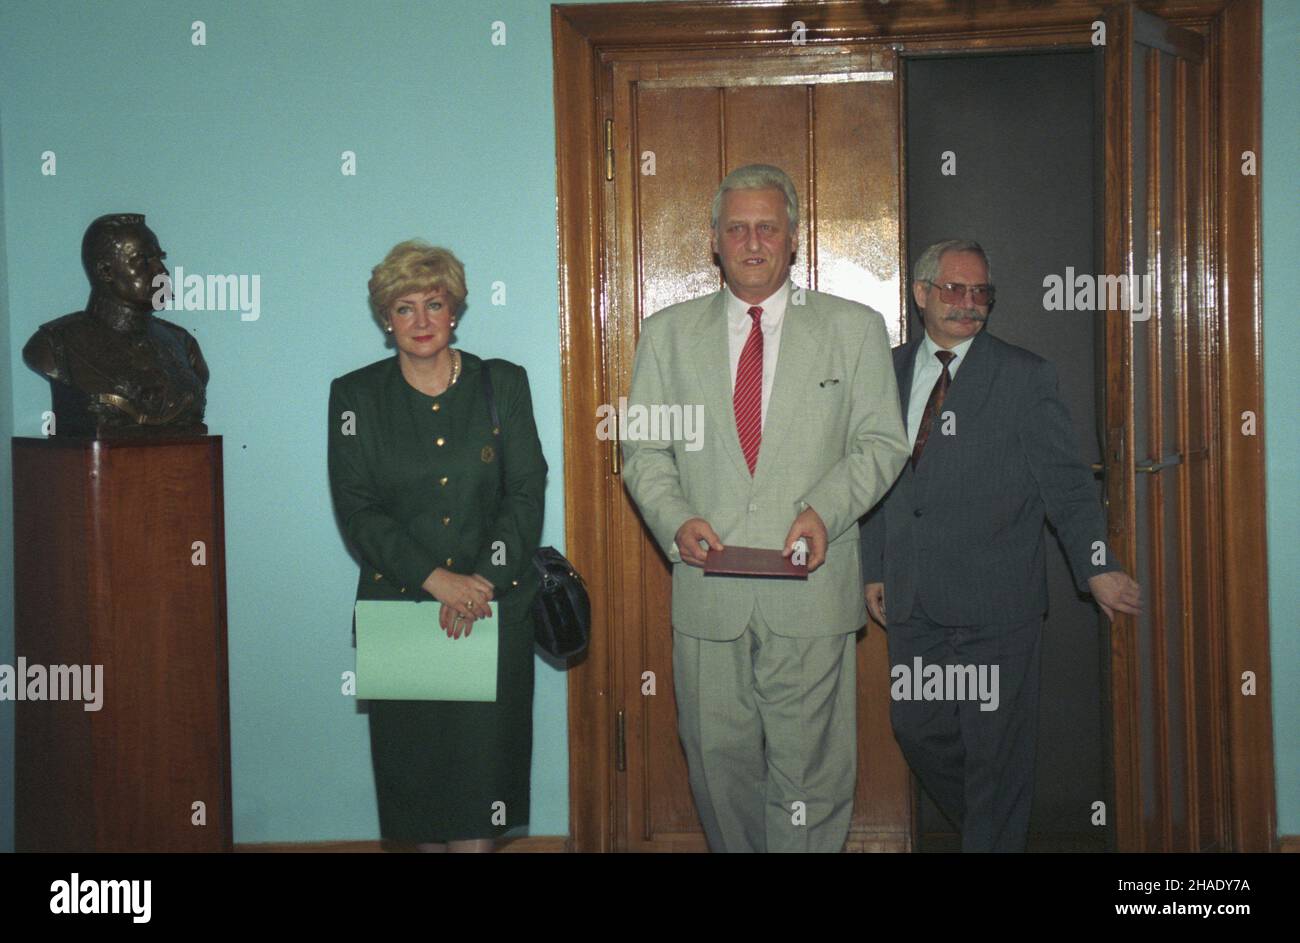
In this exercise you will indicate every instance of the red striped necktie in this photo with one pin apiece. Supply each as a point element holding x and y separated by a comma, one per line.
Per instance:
<point>748,397</point>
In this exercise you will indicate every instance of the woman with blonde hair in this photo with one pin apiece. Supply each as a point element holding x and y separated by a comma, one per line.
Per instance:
<point>415,468</point>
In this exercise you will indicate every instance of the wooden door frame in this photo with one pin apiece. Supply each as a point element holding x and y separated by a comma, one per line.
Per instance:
<point>583,36</point>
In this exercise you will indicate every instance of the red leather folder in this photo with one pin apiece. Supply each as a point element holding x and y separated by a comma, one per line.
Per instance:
<point>751,561</point>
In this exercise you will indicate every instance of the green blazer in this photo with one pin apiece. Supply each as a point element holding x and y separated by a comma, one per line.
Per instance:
<point>416,480</point>
<point>833,439</point>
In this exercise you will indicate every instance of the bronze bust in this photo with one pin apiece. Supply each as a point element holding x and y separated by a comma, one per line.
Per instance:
<point>116,368</point>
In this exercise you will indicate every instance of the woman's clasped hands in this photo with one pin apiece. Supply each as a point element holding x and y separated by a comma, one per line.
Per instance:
<point>463,598</point>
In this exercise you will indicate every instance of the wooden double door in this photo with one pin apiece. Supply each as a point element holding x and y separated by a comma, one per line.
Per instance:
<point>637,175</point>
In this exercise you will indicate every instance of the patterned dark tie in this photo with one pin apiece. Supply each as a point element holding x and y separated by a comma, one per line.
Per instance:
<point>933,405</point>
<point>748,396</point>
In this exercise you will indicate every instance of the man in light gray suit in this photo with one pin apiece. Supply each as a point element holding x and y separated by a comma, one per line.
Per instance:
<point>802,434</point>
<point>953,557</point>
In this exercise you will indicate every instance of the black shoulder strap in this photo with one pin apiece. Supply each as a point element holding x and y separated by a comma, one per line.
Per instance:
<point>496,419</point>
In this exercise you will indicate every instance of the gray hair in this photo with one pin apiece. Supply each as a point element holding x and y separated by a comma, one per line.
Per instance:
<point>757,177</point>
<point>927,266</point>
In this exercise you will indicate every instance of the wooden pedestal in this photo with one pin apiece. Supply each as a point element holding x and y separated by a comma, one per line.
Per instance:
<point>107,571</point>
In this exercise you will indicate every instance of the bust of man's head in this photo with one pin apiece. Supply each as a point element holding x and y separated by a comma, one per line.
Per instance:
<point>115,368</point>
<point>123,262</point>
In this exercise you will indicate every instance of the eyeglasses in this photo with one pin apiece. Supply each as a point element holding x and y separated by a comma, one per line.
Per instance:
<point>952,293</point>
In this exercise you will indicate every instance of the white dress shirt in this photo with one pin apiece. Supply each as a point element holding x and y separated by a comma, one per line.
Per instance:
<point>739,324</point>
<point>925,374</point>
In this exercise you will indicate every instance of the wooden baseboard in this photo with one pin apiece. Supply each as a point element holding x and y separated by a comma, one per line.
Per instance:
<point>533,844</point>
<point>538,844</point>
<point>877,843</point>
<point>1039,843</point>
<point>559,844</point>
<point>530,844</point>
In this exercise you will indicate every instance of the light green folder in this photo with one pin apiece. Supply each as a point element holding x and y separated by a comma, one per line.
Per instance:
<point>404,655</point>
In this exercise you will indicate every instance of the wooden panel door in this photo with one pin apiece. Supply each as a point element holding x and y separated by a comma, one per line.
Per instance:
<point>678,127</point>
<point>1169,682</point>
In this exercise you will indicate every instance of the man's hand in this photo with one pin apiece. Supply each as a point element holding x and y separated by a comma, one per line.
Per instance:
<point>688,539</point>
<point>809,526</point>
<point>1116,590</point>
<point>876,602</point>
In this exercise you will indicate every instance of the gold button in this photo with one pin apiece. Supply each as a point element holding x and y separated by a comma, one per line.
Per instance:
<point>440,440</point>
<point>437,406</point>
<point>449,561</point>
<point>443,481</point>
<point>378,577</point>
<point>403,589</point>
<point>446,521</point>
<point>514,582</point>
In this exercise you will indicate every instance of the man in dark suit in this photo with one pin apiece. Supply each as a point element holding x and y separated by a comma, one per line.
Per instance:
<point>956,549</point>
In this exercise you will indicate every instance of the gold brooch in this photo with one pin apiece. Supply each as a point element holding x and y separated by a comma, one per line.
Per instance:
<point>487,454</point>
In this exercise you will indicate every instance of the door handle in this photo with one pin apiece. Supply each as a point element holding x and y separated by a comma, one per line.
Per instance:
<point>1148,467</point>
<point>1151,466</point>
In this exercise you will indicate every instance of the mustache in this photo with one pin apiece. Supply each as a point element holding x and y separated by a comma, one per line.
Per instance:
<point>973,315</point>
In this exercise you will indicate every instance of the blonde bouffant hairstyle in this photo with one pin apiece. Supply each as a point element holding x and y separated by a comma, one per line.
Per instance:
<point>415,266</point>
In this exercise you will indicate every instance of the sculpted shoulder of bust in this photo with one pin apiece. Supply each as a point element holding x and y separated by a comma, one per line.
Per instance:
<point>116,368</point>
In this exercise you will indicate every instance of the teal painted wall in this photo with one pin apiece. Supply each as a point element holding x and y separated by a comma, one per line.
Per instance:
<point>1279,175</point>
<point>233,151</point>
<point>6,528</point>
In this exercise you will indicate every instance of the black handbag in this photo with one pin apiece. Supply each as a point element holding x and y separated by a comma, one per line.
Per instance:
<point>561,610</point>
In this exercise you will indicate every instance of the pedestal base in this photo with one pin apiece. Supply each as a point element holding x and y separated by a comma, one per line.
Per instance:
<point>119,565</point>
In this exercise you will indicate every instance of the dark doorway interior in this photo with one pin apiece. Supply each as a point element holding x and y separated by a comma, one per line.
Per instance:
<point>1023,132</point>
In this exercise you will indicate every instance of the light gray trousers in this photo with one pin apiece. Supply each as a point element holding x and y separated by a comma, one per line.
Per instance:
<point>769,724</point>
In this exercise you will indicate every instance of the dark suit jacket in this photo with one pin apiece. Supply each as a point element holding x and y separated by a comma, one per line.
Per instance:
<point>417,488</point>
<point>963,533</point>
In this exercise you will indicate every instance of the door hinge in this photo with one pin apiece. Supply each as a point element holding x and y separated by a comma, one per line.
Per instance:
<point>620,742</point>
<point>609,148</point>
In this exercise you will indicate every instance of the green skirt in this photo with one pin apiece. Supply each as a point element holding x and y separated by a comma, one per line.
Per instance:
<point>458,770</point>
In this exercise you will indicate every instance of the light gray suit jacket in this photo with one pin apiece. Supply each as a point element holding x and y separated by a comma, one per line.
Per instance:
<point>833,438</point>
